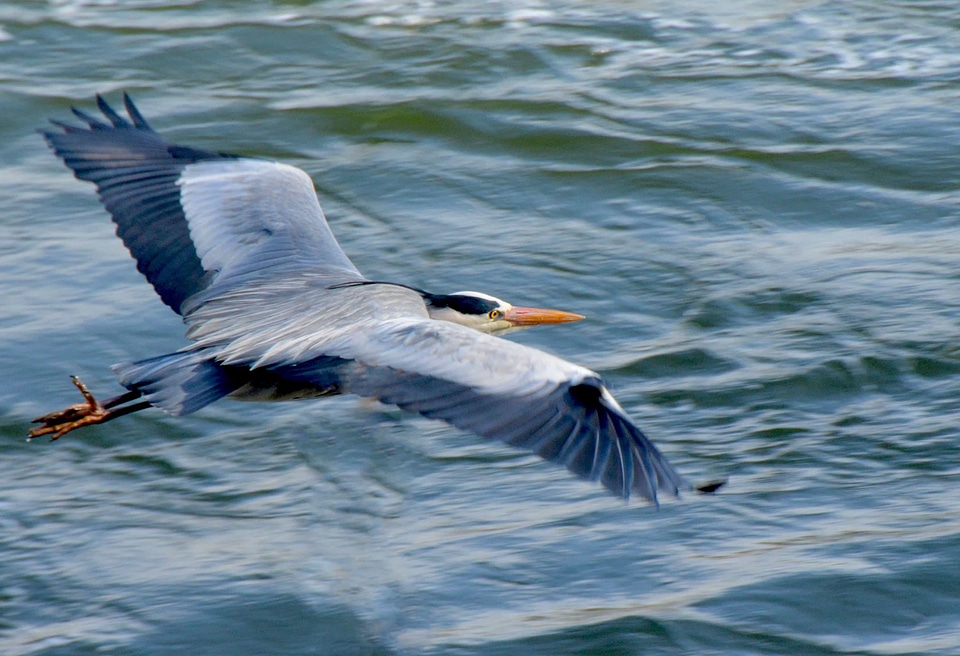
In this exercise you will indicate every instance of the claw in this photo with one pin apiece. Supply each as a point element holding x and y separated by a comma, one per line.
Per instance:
<point>76,416</point>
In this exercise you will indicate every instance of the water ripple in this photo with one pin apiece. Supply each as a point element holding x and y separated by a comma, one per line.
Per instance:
<point>755,207</point>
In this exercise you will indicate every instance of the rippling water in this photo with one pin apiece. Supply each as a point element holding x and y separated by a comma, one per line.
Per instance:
<point>756,206</point>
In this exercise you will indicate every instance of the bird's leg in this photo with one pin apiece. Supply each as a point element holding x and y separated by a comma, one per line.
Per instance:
<point>85,414</point>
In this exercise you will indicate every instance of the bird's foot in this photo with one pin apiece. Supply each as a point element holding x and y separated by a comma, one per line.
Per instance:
<point>58,424</point>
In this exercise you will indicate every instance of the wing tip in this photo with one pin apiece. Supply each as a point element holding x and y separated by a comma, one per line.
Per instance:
<point>134,113</point>
<point>640,468</point>
<point>94,123</point>
<point>108,111</point>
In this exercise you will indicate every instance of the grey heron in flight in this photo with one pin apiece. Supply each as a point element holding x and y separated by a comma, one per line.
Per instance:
<point>275,310</point>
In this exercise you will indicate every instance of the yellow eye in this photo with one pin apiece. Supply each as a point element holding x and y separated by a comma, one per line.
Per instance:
<point>495,314</point>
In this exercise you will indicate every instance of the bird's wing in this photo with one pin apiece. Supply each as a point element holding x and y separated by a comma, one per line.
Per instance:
<point>576,424</point>
<point>377,341</point>
<point>250,217</point>
<point>192,217</point>
<point>500,390</point>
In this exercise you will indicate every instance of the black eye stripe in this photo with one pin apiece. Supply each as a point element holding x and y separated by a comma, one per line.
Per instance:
<point>462,304</point>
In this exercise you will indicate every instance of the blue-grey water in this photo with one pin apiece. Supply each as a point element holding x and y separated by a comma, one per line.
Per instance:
<point>756,206</point>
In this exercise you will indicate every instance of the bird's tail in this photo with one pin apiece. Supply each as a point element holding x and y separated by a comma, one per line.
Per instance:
<point>179,383</point>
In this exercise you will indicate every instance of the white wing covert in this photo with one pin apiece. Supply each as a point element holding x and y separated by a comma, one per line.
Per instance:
<point>249,217</point>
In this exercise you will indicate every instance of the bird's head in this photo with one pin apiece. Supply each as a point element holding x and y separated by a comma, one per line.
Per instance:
<point>489,314</point>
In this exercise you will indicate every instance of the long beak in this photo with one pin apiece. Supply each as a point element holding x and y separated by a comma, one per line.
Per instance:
<point>527,316</point>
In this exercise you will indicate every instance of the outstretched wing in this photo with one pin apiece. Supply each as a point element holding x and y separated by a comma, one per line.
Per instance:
<point>192,217</point>
<point>377,341</point>
<point>499,390</point>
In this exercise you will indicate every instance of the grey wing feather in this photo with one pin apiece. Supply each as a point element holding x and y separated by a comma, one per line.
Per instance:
<point>250,218</point>
<point>192,217</point>
<point>574,422</point>
<point>136,172</point>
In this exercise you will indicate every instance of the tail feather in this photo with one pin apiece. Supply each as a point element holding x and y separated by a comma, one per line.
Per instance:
<point>179,383</point>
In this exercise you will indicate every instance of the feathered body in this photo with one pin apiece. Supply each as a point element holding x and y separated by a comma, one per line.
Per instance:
<point>275,310</point>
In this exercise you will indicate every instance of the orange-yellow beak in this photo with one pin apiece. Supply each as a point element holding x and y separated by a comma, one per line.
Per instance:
<point>527,316</point>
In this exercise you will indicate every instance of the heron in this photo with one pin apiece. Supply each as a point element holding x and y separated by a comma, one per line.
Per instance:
<point>274,310</point>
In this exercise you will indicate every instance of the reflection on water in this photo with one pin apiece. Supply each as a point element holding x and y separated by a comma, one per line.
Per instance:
<point>755,207</point>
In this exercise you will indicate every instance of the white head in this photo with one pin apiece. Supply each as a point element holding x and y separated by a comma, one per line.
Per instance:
<point>489,314</point>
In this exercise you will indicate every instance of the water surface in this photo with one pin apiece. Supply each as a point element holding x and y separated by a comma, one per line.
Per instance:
<point>756,207</point>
